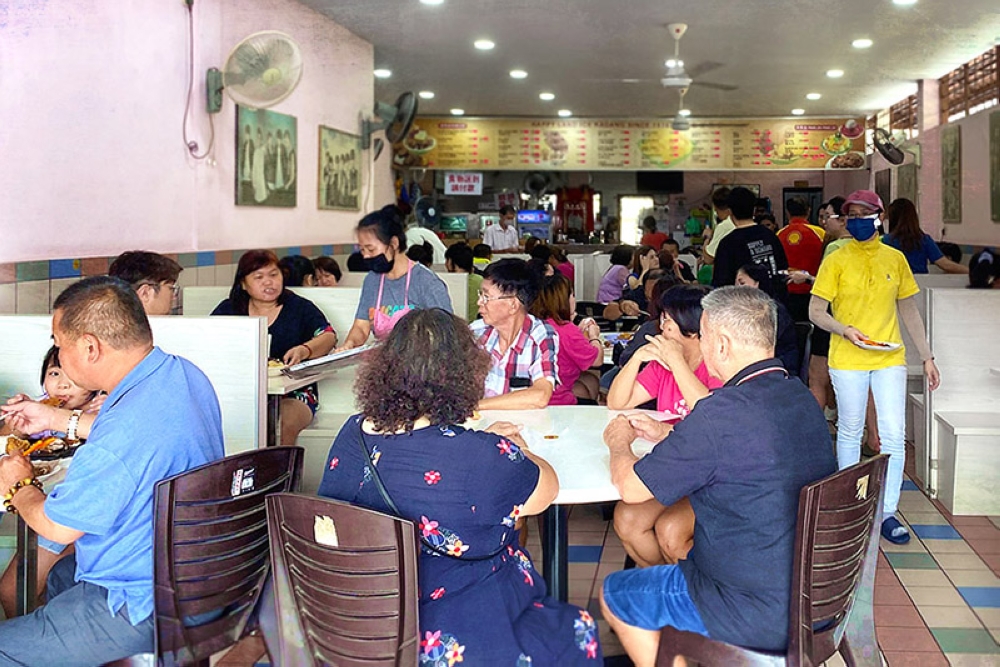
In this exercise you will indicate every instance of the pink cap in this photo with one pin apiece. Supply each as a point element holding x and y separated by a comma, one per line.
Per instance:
<point>865,198</point>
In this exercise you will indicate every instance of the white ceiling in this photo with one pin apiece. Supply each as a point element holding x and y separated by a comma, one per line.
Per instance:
<point>775,51</point>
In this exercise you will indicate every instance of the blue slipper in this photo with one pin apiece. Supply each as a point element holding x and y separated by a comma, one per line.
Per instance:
<point>894,531</point>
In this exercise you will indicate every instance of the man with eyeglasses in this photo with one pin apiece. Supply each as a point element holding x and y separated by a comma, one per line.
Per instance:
<point>152,276</point>
<point>522,348</point>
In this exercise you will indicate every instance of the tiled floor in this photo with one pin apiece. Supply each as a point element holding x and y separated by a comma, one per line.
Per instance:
<point>937,599</point>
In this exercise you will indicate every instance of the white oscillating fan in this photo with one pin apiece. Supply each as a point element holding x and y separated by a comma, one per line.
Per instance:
<point>260,71</point>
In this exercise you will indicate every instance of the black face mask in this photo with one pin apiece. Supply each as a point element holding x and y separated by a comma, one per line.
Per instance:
<point>378,264</point>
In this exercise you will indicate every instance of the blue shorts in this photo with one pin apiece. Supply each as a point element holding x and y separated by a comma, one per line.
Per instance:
<point>51,546</point>
<point>651,598</point>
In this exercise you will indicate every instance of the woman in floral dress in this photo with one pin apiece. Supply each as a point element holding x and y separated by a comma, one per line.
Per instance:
<point>481,600</point>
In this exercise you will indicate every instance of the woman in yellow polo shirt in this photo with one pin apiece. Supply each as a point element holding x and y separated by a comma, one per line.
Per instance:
<point>864,282</point>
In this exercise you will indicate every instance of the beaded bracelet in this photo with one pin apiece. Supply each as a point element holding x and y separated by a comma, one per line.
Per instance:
<point>9,496</point>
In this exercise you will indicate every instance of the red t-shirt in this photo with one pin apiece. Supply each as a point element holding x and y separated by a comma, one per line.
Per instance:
<point>576,354</point>
<point>660,383</point>
<point>655,240</point>
<point>803,246</point>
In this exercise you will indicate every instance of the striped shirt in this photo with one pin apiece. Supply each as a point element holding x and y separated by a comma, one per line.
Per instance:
<point>531,357</point>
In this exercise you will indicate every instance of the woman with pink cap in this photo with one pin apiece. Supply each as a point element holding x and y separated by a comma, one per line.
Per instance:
<point>864,283</point>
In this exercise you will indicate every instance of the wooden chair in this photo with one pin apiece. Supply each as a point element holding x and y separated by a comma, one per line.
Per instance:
<point>211,559</point>
<point>836,524</point>
<point>345,584</point>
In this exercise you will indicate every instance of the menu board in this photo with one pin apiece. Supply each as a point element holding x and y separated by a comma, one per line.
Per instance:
<point>629,145</point>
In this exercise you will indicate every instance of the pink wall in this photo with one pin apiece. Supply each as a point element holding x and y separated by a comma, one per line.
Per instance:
<point>92,96</point>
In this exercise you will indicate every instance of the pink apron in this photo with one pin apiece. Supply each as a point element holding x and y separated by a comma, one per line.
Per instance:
<point>383,323</point>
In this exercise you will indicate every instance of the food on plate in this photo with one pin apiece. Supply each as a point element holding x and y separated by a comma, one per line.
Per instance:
<point>848,161</point>
<point>418,141</point>
<point>557,143</point>
<point>875,343</point>
<point>49,446</point>
<point>852,130</point>
<point>43,468</point>
<point>275,363</point>
<point>16,445</point>
<point>835,144</point>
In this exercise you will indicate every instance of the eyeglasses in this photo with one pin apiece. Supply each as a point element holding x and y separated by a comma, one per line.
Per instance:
<point>486,298</point>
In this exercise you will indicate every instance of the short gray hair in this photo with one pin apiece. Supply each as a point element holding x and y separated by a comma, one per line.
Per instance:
<point>747,314</point>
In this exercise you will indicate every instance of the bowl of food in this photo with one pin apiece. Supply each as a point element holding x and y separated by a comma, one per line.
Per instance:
<point>852,130</point>
<point>851,160</point>
<point>836,144</point>
<point>418,142</point>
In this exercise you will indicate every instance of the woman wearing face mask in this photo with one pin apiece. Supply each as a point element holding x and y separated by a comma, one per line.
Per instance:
<point>864,283</point>
<point>394,284</point>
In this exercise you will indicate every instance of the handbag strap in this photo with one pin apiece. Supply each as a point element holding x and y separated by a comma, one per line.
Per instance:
<point>395,510</point>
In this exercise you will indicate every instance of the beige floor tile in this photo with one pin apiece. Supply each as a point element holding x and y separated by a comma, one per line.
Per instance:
<point>973,578</point>
<point>923,578</point>
<point>948,546</point>
<point>591,539</point>
<point>949,617</point>
<point>932,518</point>
<point>604,569</point>
<point>990,616</point>
<point>913,546</point>
<point>935,596</point>
<point>950,562</point>
<point>971,660</point>
<point>582,570</point>
<point>916,502</point>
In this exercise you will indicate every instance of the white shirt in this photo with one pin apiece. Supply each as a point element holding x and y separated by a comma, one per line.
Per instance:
<point>417,236</point>
<point>721,230</point>
<point>498,238</point>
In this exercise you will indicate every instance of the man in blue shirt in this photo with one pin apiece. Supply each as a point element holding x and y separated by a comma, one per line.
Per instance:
<point>161,417</point>
<point>741,457</point>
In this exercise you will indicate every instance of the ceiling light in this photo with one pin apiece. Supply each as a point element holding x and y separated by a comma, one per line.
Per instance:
<point>518,74</point>
<point>904,2</point>
<point>813,96</point>
<point>798,112</point>
<point>484,44</point>
<point>458,112</point>
<point>548,97</point>
<point>565,113</point>
<point>383,73</point>
<point>431,2</point>
<point>835,73</point>
<point>684,112</point>
<point>862,43</point>
<point>426,95</point>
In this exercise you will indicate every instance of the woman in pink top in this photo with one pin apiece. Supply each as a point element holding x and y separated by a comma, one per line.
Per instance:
<point>562,264</point>
<point>677,377</point>
<point>580,346</point>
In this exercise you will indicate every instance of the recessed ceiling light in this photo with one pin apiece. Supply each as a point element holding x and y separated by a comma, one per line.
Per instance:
<point>431,2</point>
<point>813,96</point>
<point>548,97</point>
<point>835,73</point>
<point>684,112</point>
<point>458,112</point>
<point>565,113</point>
<point>798,112</point>
<point>518,74</point>
<point>904,2</point>
<point>383,73</point>
<point>862,43</point>
<point>484,44</point>
<point>426,95</point>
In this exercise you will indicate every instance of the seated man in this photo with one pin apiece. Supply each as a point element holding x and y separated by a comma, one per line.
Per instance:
<point>731,458</point>
<point>161,417</point>
<point>522,348</point>
<point>152,276</point>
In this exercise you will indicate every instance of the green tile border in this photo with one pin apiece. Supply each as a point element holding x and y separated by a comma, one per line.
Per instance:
<point>904,560</point>
<point>965,640</point>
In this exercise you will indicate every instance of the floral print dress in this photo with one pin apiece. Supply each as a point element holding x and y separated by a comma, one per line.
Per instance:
<point>484,603</point>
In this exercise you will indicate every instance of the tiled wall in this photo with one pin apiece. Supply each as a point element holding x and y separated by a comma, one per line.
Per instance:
<point>29,288</point>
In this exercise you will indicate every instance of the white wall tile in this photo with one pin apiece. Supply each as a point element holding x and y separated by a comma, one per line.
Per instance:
<point>8,298</point>
<point>33,297</point>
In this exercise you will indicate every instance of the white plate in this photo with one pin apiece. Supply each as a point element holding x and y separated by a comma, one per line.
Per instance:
<point>829,163</point>
<point>887,347</point>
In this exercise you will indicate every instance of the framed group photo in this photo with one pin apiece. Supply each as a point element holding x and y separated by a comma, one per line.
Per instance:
<point>266,163</point>
<point>339,182</point>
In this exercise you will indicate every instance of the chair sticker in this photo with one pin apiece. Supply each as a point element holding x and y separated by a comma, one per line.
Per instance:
<point>324,532</point>
<point>862,487</point>
<point>243,481</point>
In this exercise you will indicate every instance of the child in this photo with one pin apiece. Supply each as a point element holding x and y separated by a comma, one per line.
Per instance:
<point>56,385</point>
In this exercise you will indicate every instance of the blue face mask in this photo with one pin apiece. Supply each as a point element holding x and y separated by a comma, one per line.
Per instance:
<point>861,229</point>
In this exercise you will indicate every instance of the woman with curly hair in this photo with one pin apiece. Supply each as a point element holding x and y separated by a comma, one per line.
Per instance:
<point>480,596</point>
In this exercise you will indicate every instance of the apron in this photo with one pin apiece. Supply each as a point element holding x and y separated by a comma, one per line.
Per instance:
<point>382,324</point>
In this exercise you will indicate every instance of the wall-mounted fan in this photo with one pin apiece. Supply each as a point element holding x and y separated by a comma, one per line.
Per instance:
<point>396,119</point>
<point>260,71</point>
<point>885,145</point>
<point>536,185</point>
<point>427,212</point>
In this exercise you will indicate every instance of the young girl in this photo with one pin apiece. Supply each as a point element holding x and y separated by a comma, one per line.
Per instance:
<point>55,385</point>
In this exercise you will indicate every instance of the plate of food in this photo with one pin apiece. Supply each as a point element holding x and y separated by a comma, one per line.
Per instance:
<point>49,448</point>
<point>852,130</point>
<point>419,142</point>
<point>878,345</point>
<point>850,160</point>
<point>613,337</point>
<point>836,144</point>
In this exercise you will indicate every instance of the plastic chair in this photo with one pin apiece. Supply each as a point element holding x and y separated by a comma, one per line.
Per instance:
<point>803,340</point>
<point>345,584</point>
<point>211,559</point>
<point>836,524</point>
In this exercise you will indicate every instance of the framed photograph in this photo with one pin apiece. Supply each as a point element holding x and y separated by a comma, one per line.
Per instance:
<point>995,166</point>
<point>883,185</point>
<point>266,166</point>
<point>951,173</point>
<point>339,182</point>
<point>906,182</point>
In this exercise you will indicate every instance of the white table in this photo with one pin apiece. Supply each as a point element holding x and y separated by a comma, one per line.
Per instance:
<point>582,462</point>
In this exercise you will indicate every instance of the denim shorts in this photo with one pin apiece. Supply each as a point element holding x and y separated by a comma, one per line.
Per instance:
<point>651,598</point>
<point>51,546</point>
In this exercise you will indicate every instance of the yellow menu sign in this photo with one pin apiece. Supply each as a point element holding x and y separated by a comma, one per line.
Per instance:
<point>629,145</point>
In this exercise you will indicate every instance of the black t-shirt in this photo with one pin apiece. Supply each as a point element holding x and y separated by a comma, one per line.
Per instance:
<point>298,322</point>
<point>745,245</point>
<point>741,457</point>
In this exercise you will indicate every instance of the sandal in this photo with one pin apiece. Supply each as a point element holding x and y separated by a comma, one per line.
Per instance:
<point>894,531</point>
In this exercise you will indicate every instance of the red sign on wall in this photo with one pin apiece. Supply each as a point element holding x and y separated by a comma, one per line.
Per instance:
<point>463,183</point>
